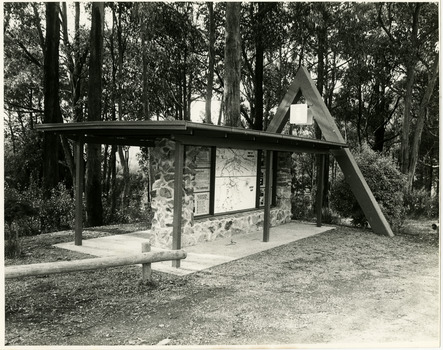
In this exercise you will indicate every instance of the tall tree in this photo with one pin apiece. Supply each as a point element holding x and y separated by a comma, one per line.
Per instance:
<point>211,63</point>
<point>51,91</point>
<point>410,76</point>
<point>432,79</point>
<point>259,63</point>
<point>123,151</point>
<point>93,188</point>
<point>75,61</point>
<point>232,64</point>
<point>408,46</point>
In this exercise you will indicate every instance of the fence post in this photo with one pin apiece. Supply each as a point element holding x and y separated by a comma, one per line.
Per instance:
<point>146,268</point>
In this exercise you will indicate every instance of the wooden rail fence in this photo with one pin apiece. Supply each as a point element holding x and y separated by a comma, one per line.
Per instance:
<point>145,258</point>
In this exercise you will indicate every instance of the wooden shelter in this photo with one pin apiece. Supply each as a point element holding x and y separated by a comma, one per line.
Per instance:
<point>185,133</point>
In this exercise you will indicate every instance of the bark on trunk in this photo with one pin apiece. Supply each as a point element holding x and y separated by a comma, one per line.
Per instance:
<point>94,208</point>
<point>232,64</point>
<point>211,63</point>
<point>52,113</point>
<point>410,77</point>
<point>259,59</point>
<point>433,75</point>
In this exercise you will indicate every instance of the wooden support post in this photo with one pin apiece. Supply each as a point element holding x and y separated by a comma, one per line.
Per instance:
<point>268,195</point>
<point>320,187</point>
<point>178,199</point>
<point>79,180</point>
<point>146,267</point>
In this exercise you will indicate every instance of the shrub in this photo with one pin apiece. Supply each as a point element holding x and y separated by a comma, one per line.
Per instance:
<point>17,209</point>
<point>421,204</point>
<point>29,214</point>
<point>301,206</point>
<point>386,182</point>
<point>57,212</point>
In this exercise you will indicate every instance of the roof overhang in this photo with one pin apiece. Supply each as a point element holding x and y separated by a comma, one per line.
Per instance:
<point>144,133</point>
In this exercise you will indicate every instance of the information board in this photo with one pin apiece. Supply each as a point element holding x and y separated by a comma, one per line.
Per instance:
<point>202,180</point>
<point>201,203</point>
<point>235,180</point>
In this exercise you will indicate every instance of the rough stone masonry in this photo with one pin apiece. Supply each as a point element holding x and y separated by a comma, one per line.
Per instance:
<point>196,230</point>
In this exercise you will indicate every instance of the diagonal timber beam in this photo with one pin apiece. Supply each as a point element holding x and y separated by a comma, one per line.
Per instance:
<point>303,85</point>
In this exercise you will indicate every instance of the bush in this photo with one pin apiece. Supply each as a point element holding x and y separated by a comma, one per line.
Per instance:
<point>301,206</point>
<point>386,182</point>
<point>27,213</point>
<point>58,212</point>
<point>421,204</point>
<point>16,209</point>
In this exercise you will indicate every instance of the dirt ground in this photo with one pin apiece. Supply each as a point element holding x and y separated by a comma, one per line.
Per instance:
<point>345,286</point>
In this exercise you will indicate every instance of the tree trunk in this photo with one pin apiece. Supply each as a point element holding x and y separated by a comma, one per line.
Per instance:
<point>94,208</point>
<point>145,101</point>
<point>113,158</point>
<point>322,33</point>
<point>380,114</point>
<point>122,155</point>
<point>232,64</point>
<point>113,170</point>
<point>124,161</point>
<point>259,59</point>
<point>433,75</point>
<point>410,76</point>
<point>220,113</point>
<point>211,63</point>
<point>360,115</point>
<point>52,112</point>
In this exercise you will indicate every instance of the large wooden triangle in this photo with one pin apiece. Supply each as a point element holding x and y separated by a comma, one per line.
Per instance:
<point>304,86</point>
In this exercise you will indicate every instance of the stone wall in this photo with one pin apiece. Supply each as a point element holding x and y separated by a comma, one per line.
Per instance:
<point>208,228</point>
<point>163,170</point>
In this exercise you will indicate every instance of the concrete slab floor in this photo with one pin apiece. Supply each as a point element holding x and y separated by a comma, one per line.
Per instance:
<point>203,255</point>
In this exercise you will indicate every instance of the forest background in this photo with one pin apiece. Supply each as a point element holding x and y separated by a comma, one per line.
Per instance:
<point>375,64</point>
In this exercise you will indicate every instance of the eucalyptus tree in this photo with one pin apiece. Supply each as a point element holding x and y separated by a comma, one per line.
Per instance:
<point>211,62</point>
<point>23,52</point>
<point>368,100</point>
<point>232,64</point>
<point>31,53</point>
<point>74,53</point>
<point>263,25</point>
<point>51,100</point>
<point>93,184</point>
<point>175,63</point>
<point>212,18</point>
<point>412,29</point>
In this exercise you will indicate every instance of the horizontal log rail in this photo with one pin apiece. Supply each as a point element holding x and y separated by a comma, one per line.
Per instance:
<point>93,264</point>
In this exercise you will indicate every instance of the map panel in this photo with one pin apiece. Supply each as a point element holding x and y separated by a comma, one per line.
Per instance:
<point>235,162</point>
<point>234,193</point>
<point>235,180</point>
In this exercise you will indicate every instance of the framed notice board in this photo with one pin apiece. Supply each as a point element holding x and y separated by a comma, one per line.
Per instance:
<point>202,194</point>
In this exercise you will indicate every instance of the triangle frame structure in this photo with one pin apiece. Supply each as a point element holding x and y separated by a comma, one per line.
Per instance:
<point>304,86</point>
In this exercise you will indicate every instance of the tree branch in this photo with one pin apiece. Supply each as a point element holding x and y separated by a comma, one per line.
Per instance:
<point>380,20</point>
<point>28,55</point>
<point>23,109</point>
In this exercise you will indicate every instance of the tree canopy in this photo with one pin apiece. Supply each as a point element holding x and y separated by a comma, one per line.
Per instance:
<point>374,64</point>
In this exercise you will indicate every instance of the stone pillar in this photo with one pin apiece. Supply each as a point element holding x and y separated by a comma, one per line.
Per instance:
<point>163,169</point>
